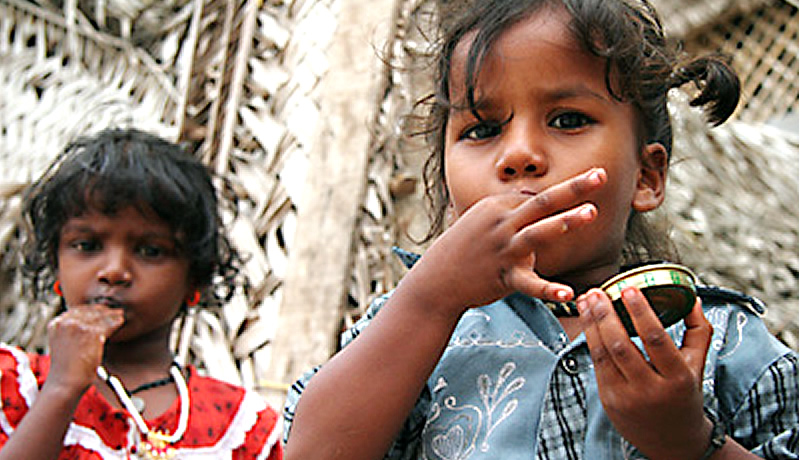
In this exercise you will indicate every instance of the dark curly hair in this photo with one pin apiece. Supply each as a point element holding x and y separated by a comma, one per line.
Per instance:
<point>117,168</point>
<point>641,67</point>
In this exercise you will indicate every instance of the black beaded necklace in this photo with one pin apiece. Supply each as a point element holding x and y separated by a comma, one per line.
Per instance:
<point>150,385</point>
<point>139,402</point>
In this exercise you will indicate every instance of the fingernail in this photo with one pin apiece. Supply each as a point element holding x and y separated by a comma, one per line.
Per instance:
<point>629,294</point>
<point>587,210</point>
<point>595,303</point>
<point>562,295</point>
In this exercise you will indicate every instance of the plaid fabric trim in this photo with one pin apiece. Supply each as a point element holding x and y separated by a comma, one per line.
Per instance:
<point>562,426</point>
<point>771,407</point>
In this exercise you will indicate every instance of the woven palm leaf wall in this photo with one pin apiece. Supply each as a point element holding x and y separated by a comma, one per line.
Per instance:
<point>292,103</point>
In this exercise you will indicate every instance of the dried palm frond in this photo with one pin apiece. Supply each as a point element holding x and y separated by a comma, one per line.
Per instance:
<point>392,213</point>
<point>76,79</point>
<point>251,111</point>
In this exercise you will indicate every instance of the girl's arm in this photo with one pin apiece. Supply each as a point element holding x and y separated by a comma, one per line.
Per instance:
<point>355,406</point>
<point>41,432</point>
<point>656,404</point>
<point>357,403</point>
<point>76,341</point>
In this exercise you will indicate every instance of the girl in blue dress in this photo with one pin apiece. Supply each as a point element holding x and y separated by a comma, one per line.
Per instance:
<point>551,142</point>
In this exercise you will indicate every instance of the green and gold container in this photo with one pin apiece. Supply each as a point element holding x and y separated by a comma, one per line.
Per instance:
<point>669,288</point>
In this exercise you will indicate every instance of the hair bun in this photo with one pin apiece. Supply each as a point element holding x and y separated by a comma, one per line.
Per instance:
<point>717,82</point>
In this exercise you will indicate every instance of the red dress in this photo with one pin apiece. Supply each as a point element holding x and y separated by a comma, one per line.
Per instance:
<point>225,421</point>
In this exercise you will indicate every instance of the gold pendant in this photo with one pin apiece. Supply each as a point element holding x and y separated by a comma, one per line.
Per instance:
<point>156,447</point>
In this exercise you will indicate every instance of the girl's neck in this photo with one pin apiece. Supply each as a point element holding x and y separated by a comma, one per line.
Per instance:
<point>137,356</point>
<point>583,280</point>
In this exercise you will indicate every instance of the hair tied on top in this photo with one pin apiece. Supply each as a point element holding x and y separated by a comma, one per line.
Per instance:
<point>718,85</point>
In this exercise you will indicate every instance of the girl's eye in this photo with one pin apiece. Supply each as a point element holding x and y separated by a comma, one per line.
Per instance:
<point>150,251</point>
<point>571,120</point>
<point>85,245</point>
<point>482,130</point>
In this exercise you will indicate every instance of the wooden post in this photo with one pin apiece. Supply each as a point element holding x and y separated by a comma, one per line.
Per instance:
<point>317,278</point>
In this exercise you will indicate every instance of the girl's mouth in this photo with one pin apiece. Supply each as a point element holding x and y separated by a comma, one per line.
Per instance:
<point>108,301</point>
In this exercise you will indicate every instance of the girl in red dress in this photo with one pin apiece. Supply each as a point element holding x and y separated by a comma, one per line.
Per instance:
<point>124,227</point>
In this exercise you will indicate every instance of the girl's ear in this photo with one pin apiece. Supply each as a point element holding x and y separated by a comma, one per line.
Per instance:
<point>652,178</point>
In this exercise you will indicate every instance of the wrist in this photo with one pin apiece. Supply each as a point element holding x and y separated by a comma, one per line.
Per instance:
<point>433,302</point>
<point>717,436</point>
<point>55,390</point>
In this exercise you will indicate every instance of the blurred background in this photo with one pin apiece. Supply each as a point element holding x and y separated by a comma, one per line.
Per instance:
<point>303,106</point>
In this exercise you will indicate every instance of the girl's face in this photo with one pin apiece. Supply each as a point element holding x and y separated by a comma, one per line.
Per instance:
<point>546,115</point>
<point>127,260</point>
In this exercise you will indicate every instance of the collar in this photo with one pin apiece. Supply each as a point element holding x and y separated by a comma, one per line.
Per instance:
<point>562,309</point>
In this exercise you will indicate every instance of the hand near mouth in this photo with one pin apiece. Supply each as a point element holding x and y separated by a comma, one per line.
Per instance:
<point>490,250</point>
<point>76,339</point>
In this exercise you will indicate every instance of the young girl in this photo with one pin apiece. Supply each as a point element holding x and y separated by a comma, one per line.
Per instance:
<point>551,138</point>
<point>124,227</point>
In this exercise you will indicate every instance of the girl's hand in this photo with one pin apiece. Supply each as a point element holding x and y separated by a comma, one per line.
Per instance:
<point>656,404</point>
<point>490,250</point>
<point>76,339</point>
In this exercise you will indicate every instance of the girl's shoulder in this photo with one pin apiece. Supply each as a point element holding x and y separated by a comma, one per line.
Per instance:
<point>740,333</point>
<point>21,376</point>
<point>28,370</point>
<point>223,412</point>
<point>217,398</point>
<point>228,396</point>
<point>743,353</point>
<point>716,296</point>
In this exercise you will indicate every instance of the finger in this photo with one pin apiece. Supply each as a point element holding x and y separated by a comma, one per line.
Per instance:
<point>95,318</point>
<point>566,194</point>
<point>664,355</point>
<point>605,369</point>
<point>112,323</point>
<point>535,234</point>
<point>108,320</point>
<point>626,356</point>
<point>526,281</point>
<point>697,338</point>
<point>54,324</point>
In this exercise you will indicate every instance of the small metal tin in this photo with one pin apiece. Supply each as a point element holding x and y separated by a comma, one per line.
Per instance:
<point>669,288</point>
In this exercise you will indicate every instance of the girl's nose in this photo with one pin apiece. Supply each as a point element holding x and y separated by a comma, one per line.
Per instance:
<point>115,270</point>
<point>520,160</point>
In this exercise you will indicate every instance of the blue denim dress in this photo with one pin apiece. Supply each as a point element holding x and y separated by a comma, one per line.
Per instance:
<point>510,385</point>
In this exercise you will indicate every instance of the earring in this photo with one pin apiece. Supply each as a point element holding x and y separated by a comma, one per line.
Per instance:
<point>57,288</point>
<point>193,300</point>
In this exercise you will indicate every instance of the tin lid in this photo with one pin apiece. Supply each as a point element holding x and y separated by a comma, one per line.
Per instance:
<point>669,288</point>
<point>649,276</point>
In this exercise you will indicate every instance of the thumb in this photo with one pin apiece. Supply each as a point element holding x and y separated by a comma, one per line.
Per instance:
<point>697,339</point>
